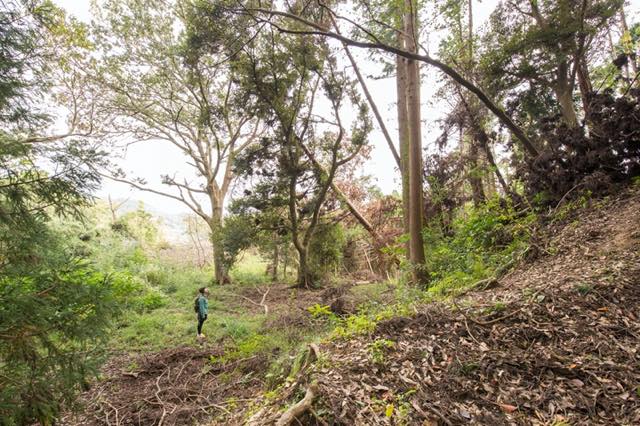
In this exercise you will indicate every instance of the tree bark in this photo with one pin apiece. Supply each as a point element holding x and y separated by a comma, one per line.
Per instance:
<point>483,139</point>
<point>496,169</point>
<point>584,83</point>
<point>403,133</point>
<point>564,94</point>
<point>304,278</point>
<point>625,29</point>
<point>276,260</point>
<point>220,269</point>
<point>416,243</point>
<point>475,179</point>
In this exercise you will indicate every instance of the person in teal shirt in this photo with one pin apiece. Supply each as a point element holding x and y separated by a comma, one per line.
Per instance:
<point>203,309</point>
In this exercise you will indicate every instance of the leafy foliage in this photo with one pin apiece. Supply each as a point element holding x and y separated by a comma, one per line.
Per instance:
<point>53,323</point>
<point>327,248</point>
<point>488,238</point>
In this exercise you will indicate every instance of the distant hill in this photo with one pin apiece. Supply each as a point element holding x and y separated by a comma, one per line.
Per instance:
<point>172,225</point>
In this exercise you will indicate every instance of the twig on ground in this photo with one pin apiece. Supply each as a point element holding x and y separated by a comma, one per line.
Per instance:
<point>565,196</point>
<point>439,414</point>
<point>164,411</point>
<point>116,410</point>
<point>482,323</point>
<point>493,321</point>
<point>318,418</point>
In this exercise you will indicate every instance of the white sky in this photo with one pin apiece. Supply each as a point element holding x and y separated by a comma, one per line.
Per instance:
<point>150,160</point>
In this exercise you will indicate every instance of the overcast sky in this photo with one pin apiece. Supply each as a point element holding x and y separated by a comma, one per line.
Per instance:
<point>150,160</point>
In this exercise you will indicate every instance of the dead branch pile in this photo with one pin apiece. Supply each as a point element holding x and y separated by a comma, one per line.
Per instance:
<point>560,356</point>
<point>173,387</point>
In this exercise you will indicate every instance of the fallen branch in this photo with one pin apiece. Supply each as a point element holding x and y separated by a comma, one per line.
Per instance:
<point>314,353</point>
<point>493,321</point>
<point>565,196</point>
<point>264,298</point>
<point>262,304</point>
<point>299,408</point>
<point>439,414</point>
<point>116,411</point>
<point>164,411</point>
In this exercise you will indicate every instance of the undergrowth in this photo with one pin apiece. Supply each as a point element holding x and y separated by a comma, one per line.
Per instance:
<point>482,242</point>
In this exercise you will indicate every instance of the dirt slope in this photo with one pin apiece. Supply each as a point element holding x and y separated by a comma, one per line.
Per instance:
<point>556,343</point>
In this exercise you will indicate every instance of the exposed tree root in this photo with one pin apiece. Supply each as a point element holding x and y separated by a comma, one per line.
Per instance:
<point>299,408</point>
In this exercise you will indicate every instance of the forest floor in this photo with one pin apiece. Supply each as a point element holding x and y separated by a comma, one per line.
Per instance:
<point>251,327</point>
<point>553,342</point>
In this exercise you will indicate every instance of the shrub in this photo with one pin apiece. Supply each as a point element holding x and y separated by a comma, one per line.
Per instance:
<point>483,239</point>
<point>133,293</point>
<point>52,326</point>
<point>326,248</point>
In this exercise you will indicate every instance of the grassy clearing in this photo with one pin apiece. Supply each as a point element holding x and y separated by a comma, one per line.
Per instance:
<point>478,246</point>
<point>250,269</point>
<point>173,323</point>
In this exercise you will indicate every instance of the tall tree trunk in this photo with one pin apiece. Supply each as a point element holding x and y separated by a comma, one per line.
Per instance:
<point>475,176</point>
<point>584,84</point>
<point>625,30</point>
<point>612,49</point>
<point>470,30</point>
<point>480,135</point>
<point>276,261</point>
<point>478,162</point>
<point>488,179</point>
<point>416,243</point>
<point>304,279</point>
<point>403,133</point>
<point>565,100</point>
<point>372,104</point>
<point>286,261</point>
<point>496,169</point>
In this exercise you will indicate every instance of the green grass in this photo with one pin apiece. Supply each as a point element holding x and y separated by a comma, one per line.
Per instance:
<point>174,323</point>
<point>250,268</point>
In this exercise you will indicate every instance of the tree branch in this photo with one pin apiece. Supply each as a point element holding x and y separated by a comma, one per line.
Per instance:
<point>321,30</point>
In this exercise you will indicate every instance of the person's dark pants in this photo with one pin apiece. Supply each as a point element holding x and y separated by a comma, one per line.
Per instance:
<point>201,321</point>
